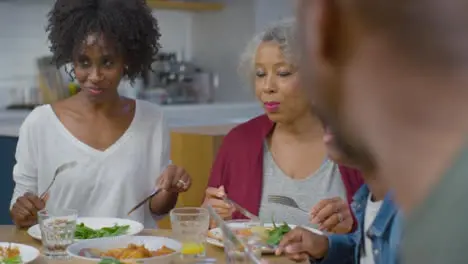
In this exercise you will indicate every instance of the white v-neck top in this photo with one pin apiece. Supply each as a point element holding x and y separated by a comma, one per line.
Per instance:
<point>104,183</point>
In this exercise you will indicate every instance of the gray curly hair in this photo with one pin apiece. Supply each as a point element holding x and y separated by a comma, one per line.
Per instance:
<point>282,33</point>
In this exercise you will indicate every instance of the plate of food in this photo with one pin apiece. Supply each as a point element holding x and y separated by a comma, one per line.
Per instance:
<point>270,233</point>
<point>130,249</point>
<point>98,227</point>
<point>11,253</point>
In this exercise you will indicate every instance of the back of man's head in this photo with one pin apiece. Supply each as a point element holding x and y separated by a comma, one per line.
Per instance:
<point>430,32</point>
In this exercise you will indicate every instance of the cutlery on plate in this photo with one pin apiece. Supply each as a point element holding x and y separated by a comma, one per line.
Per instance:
<point>59,170</point>
<point>286,201</point>
<point>230,236</point>
<point>290,202</point>
<point>242,210</point>
<point>144,201</point>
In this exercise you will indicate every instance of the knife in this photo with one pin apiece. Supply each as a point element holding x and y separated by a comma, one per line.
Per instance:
<point>144,201</point>
<point>229,235</point>
<point>156,191</point>
<point>242,210</point>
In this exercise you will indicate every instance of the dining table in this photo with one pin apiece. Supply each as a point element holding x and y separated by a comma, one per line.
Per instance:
<point>9,233</point>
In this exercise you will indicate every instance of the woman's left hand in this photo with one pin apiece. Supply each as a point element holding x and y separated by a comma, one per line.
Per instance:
<point>174,179</point>
<point>332,215</point>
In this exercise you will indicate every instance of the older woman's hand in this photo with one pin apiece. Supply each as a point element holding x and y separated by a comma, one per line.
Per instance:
<point>332,215</point>
<point>214,197</point>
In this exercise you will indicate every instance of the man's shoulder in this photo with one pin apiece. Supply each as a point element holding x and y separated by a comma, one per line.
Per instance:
<point>436,231</point>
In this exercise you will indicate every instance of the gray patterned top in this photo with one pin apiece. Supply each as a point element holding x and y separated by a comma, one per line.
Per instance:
<point>324,183</point>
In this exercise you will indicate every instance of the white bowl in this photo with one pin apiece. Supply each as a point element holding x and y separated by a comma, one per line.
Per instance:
<point>150,242</point>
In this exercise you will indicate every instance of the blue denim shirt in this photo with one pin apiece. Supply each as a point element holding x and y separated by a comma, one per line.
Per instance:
<point>384,232</point>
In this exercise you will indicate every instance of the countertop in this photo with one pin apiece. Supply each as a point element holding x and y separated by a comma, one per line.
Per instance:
<point>177,116</point>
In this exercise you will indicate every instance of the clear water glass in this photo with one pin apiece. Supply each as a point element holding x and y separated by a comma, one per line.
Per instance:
<point>189,226</point>
<point>57,231</point>
<point>237,255</point>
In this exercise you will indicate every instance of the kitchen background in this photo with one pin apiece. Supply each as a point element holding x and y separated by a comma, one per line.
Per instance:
<point>212,40</point>
<point>201,40</point>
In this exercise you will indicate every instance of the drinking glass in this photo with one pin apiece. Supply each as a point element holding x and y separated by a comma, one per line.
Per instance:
<point>57,231</point>
<point>189,226</point>
<point>235,254</point>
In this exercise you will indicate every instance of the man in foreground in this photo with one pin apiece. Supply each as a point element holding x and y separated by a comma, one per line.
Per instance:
<point>376,238</point>
<point>390,77</point>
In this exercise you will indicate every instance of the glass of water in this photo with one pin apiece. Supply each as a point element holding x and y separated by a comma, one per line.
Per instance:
<point>57,231</point>
<point>189,226</point>
<point>235,254</point>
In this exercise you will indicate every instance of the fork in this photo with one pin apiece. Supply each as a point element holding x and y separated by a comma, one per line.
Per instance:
<point>286,201</point>
<point>59,170</point>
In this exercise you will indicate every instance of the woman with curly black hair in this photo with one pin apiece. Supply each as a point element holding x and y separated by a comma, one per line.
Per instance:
<point>121,146</point>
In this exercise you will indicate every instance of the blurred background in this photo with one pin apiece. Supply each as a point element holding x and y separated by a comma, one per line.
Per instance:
<point>195,78</point>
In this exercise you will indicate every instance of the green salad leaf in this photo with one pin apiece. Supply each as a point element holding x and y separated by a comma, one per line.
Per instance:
<point>276,234</point>
<point>110,261</point>
<point>116,261</point>
<point>84,232</point>
<point>13,260</point>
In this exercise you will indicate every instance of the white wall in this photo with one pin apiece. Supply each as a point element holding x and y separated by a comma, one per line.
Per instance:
<point>218,40</point>
<point>269,11</point>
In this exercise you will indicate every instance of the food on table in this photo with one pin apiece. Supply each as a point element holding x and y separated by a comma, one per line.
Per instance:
<point>10,255</point>
<point>270,235</point>
<point>84,232</point>
<point>276,234</point>
<point>110,261</point>
<point>133,251</point>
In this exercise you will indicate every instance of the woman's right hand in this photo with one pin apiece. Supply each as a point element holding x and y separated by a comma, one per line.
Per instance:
<point>24,211</point>
<point>214,197</point>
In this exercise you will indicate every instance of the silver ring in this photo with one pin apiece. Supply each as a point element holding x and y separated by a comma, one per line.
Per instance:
<point>184,184</point>
<point>340,217</point>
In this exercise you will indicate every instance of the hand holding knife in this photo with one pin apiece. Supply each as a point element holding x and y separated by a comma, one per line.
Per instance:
<point>242,210</point>
<point>231,237</point>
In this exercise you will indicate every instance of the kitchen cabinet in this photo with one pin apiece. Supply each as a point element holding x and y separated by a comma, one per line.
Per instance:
<point>195,149</point>
<point>7,161</point>
<point>185,5</point>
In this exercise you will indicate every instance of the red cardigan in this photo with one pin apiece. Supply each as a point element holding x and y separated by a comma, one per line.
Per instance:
<point>239,165</point>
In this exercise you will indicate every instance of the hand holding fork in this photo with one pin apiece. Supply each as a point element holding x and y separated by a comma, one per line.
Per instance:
<point>24,211</point>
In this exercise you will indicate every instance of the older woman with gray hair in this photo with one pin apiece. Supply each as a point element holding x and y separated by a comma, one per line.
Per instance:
<point>281,152</point>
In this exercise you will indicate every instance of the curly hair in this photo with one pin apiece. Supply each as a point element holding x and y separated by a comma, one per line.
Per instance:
<point>126,24</point>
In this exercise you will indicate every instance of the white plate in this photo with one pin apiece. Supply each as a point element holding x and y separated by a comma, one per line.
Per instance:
<point>27,253</point>
<point>150,242</point>
<point>217,233</point>
<point>96,223</point>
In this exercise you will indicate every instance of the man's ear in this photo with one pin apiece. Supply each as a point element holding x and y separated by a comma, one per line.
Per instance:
<point>320,28</point>
<point>327,17</point>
